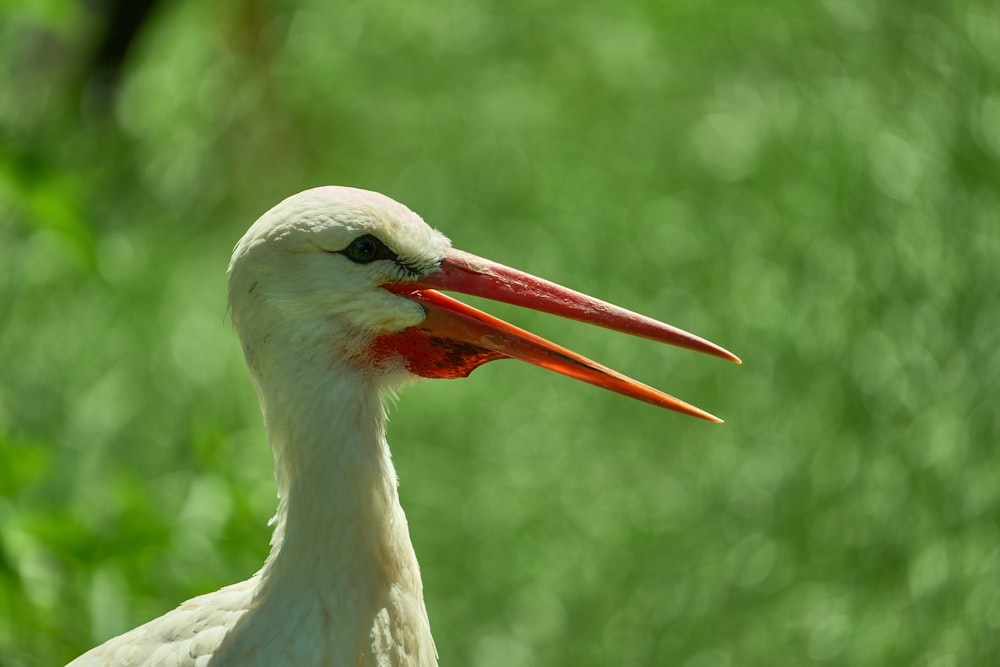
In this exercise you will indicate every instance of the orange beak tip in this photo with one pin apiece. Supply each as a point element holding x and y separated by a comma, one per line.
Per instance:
<point>708,416</point>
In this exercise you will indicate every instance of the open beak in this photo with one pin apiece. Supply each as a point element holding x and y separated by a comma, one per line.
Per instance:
<point>455,338</point>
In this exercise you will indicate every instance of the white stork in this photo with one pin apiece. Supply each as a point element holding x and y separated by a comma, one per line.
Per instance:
<point>333,294</point>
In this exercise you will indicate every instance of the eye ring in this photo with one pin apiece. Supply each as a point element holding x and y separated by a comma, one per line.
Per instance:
<point>366,249</point>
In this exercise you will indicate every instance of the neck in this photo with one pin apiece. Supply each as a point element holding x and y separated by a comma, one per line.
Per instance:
<point>341,566</point>
<point>338,520</point>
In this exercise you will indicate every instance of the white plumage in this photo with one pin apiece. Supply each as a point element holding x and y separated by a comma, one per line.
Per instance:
<point>329,296</point>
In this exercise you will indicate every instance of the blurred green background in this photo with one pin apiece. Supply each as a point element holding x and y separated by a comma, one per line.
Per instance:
<point>814,185</point>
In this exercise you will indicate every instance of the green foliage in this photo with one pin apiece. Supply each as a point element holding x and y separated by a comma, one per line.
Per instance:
<point>814,185</point>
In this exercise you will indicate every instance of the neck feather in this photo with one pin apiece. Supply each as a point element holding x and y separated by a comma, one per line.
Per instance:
<point>341,560</point>
<point>336,482</point>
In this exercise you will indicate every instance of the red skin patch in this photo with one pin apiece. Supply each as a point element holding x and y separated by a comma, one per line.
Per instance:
<point>429,354</point>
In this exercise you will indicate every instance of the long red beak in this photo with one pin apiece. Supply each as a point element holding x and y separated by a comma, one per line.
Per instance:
<point>454,338</point>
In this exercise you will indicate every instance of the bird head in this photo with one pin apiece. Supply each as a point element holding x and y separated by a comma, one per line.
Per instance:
<point>353,279</point>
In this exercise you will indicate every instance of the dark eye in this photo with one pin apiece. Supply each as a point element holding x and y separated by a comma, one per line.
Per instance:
<point>366,249</point>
